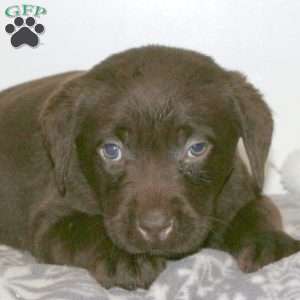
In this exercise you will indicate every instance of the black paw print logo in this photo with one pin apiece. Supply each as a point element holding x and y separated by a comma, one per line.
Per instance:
<point>24,33</point>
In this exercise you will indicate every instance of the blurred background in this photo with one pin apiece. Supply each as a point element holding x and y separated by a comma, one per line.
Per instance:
<point>259,38</point>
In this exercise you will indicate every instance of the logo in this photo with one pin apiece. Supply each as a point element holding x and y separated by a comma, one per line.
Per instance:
<point>25,29</point>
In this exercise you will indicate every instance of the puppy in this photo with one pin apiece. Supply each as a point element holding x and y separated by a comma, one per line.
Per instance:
<point>134,162</point>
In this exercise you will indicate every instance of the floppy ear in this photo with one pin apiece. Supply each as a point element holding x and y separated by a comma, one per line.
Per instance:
<point>255,124</point>
<point>58,123</point>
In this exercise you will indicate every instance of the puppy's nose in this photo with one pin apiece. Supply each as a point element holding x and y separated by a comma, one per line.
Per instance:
<point>155,225</point>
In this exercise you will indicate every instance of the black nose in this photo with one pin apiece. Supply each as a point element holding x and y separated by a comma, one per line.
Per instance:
<point>155,225</point>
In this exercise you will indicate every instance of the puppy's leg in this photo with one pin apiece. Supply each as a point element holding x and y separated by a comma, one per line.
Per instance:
<point>80,240</point>
<point>255,236</point>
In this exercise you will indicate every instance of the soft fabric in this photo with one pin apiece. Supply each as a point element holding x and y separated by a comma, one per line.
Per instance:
<point>207,275</point>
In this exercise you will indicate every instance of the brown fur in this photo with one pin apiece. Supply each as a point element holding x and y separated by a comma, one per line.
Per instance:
<point>67,205</point>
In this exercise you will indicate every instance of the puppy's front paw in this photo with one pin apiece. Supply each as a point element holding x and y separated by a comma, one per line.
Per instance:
<point>129,271</point>
<point>264,248</point>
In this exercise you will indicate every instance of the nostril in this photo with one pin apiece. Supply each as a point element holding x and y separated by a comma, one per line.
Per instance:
<point>166,230</point>
<point>143,231</point>
<point>155,225</point>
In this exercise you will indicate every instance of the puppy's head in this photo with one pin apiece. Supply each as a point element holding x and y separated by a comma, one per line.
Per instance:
<point>155,132</point>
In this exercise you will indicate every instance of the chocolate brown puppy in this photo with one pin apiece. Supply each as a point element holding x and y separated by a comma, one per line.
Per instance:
<point>134,162</point>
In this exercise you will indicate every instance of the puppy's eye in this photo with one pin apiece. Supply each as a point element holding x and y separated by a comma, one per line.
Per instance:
<point>111,151</point>
<point>197,149</point>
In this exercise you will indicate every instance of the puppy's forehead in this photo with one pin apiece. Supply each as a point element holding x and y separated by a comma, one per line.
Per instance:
<point>157,87</point>
<point>157,114</point>
<point>160,103</point>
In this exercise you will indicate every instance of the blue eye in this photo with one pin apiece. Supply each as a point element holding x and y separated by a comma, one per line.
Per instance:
<point>197,149</point>
<point>111,151</point>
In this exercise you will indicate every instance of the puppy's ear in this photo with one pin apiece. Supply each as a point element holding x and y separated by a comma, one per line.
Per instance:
<point>255,124</point>
<point>58,121</point>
